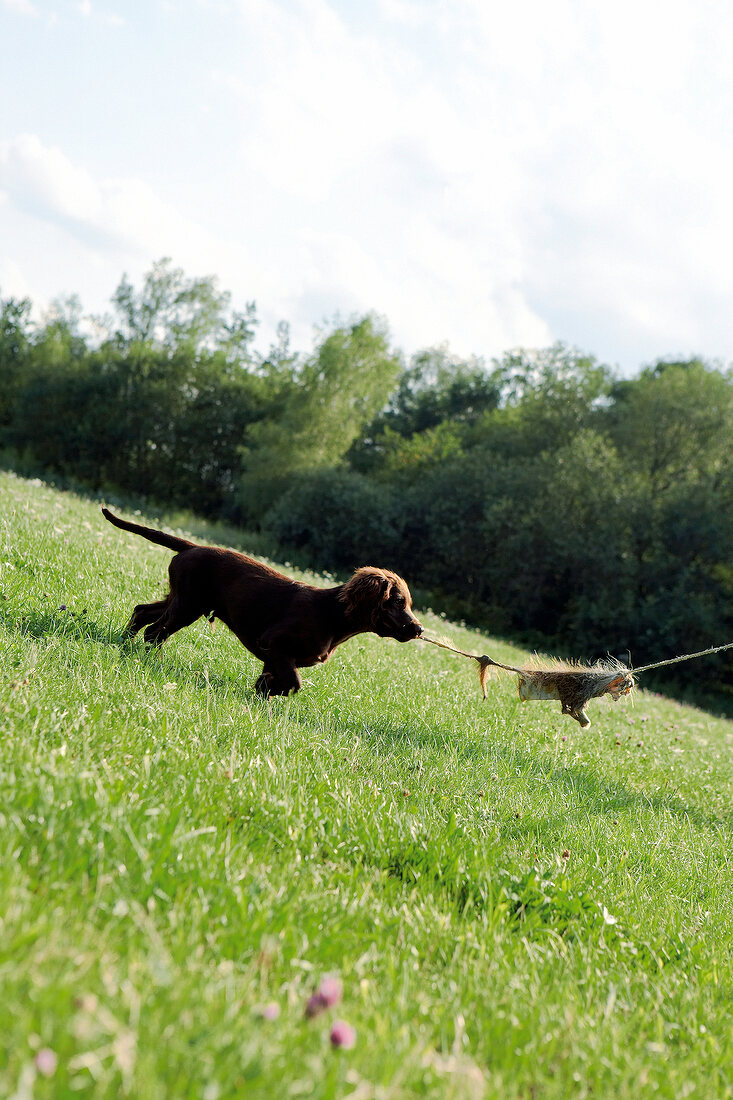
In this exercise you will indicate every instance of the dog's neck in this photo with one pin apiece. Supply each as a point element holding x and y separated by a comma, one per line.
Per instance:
<point>348,623</point>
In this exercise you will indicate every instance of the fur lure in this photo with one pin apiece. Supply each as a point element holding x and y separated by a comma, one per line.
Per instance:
<point>573,685</point>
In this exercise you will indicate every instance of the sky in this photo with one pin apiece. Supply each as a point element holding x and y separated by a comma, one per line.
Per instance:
<point>484,175</point>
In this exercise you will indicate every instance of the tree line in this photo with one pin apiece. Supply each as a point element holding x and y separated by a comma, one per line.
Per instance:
<point>540,495</point>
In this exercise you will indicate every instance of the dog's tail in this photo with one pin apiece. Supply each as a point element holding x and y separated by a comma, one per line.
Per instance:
<point>148,533</point>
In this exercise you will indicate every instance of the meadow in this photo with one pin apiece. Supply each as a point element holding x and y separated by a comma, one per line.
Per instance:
<point>515,907</point>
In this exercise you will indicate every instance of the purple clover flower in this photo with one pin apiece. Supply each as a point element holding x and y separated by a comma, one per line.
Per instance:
<point>326,996</point>
<point>342,1035</point>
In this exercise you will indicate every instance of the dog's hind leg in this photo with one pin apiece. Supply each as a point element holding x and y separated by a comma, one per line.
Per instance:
<point>144,614</point>
<point>175,616</point>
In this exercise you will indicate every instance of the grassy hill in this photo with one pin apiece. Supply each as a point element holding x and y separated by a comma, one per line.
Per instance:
<point>515,907</point>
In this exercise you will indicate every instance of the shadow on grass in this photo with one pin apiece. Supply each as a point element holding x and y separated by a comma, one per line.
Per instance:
<point>78,626</point>
<point>601,797</point>
<point>64,623</point>
<point>719,703</point>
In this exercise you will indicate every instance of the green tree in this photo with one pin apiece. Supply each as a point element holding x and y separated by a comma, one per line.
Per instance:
<point>49,424</point>
<point>547,396</point>
<point>14,345</point>
<point>321,405</point>
<point>160,407</point>
<point>338,519</point>
<point>437,393</point>
<point>674,422</point>
<point>171,311</point>
<point>187,385</point>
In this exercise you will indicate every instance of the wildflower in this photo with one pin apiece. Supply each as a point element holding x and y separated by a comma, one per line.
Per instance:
<point>331,990</point>
<point>343,1035</point>
<point>328,994</point>
<point>45,1062</point>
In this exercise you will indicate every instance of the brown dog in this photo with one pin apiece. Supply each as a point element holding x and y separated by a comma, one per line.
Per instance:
<point>286,624</point>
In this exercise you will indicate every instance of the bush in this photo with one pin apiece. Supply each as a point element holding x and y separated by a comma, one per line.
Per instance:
<point>338,519</point>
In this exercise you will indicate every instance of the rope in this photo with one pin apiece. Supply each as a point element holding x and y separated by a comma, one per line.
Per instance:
<point>484,660</point>
<point>687,657</point>
<point>644,668</point>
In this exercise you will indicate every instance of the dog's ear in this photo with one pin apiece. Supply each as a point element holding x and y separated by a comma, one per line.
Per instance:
<point>366,589</point>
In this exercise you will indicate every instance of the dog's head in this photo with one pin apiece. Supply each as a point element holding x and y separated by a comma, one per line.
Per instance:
<point>381,600</point>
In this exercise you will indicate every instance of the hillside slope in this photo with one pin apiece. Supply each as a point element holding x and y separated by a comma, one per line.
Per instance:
<point>515,907</point>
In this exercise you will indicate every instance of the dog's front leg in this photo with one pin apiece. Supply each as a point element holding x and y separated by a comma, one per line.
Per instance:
<point>278,678</point>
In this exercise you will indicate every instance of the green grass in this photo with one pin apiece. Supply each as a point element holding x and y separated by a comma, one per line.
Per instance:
<point>515,907</point>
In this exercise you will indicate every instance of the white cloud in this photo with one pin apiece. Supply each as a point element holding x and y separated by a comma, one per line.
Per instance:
<point>13,282</point>
<point>43,179</point>
<point>407,12</point>
<point>85,9</point>
<point>123,214</point>
<point>22,7</point>
<point>84,232</point>
<point>489,174</point>
<point>389,173</point>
